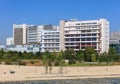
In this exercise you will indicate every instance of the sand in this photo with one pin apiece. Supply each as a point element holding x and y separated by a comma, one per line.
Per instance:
<point>22,73</point>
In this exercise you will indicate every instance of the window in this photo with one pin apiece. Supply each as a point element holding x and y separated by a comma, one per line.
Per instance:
<point>94,34</point>
<point>88,35</point>
<point>67,39</point>
<point>82,39</point>
<point>94,23</point>
<point>88,39</point>
<point>77,27</point>
<point>83,23</point>
<point>72,39</point>
<point>78,24</point>
<point>83,35</point>
<point>93,44</point>
<point>88,30</point>
<point>83,31</point>
<point>94,39</point>
<point>88,23</point>
<point>77,39</point>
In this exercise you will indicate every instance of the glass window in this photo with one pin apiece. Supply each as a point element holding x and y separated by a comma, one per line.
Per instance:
<point>88,39</point>
<point>94,34</point>
<point>77,39</point>
<point>83,35</point>
<point>94,39</point>
<point>82,39</point>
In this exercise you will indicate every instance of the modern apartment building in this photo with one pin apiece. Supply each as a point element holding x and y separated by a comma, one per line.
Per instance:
<point>50,41</point>
<point>81,34</point>
<point>32,35</point>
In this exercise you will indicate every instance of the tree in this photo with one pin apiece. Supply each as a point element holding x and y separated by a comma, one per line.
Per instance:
<point>24,55</point>
<point>51,59</point>
<point>38,55</point>
<point>45,62</point>
<point>112,54</point>
<point>93,57</point>
<point>60,60</point>
<point>90,54</point>
<point>70,55</point>
<point>103,58</point>
<point>80,55</point>
<point>10,57</point>
<point>1,54</point>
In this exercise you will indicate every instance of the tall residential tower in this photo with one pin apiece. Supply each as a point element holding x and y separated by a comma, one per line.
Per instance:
<point>20,34</point>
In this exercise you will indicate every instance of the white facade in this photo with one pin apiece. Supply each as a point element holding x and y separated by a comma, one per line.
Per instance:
<point>30,34</point>
<point>24,33</point>
<point>24,48</point>
<point>10,41</point>
<point>50,41</point>
<point>81,34</point>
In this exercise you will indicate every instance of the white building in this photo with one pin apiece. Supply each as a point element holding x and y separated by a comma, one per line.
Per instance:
<point>50,41</point>
<point>10,41</point>
<point>24,48</point>
<point>30,34</point>
<point>81,34</point>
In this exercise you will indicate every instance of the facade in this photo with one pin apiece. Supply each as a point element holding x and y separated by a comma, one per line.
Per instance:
<point>10,41</point>
<point>115,38</point>
<point>50,41</point>
<point>81,34</point>
<point>115,41</point>
<point>20,33</point>
<point>116,46</point>
<point>71,34</point>
<point>24,48</point>
<point>30,34</point>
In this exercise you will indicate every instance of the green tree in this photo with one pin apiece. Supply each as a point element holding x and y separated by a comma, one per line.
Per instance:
<point>70,55</point>
<point>80,55</point>
<point>1,54</point>
<point>24,55</point>
<point>93,57</point>
<point>10,57</point>
<point>90,54</point>
<point>112,54</point>
<point>60,60</point>
<point>38,55</point>
<point>103,58</point>
<point>47,60</point>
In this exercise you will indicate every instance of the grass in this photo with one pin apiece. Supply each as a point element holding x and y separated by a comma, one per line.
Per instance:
<point>38,62</point>
<point>94,64</point>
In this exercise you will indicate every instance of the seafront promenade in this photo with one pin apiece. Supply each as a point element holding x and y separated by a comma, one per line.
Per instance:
<point>21,73</point>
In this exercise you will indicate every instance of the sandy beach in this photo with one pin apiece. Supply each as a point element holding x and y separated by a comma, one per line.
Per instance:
<point>22,73</point>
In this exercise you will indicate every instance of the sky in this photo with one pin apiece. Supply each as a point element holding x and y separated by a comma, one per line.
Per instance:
<point>41,12</point>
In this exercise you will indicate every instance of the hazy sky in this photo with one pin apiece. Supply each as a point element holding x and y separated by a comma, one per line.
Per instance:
<point>51,11</point>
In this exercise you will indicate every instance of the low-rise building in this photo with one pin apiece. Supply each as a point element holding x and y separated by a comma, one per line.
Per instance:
<point>24,48</point>
<point>10,41</point>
